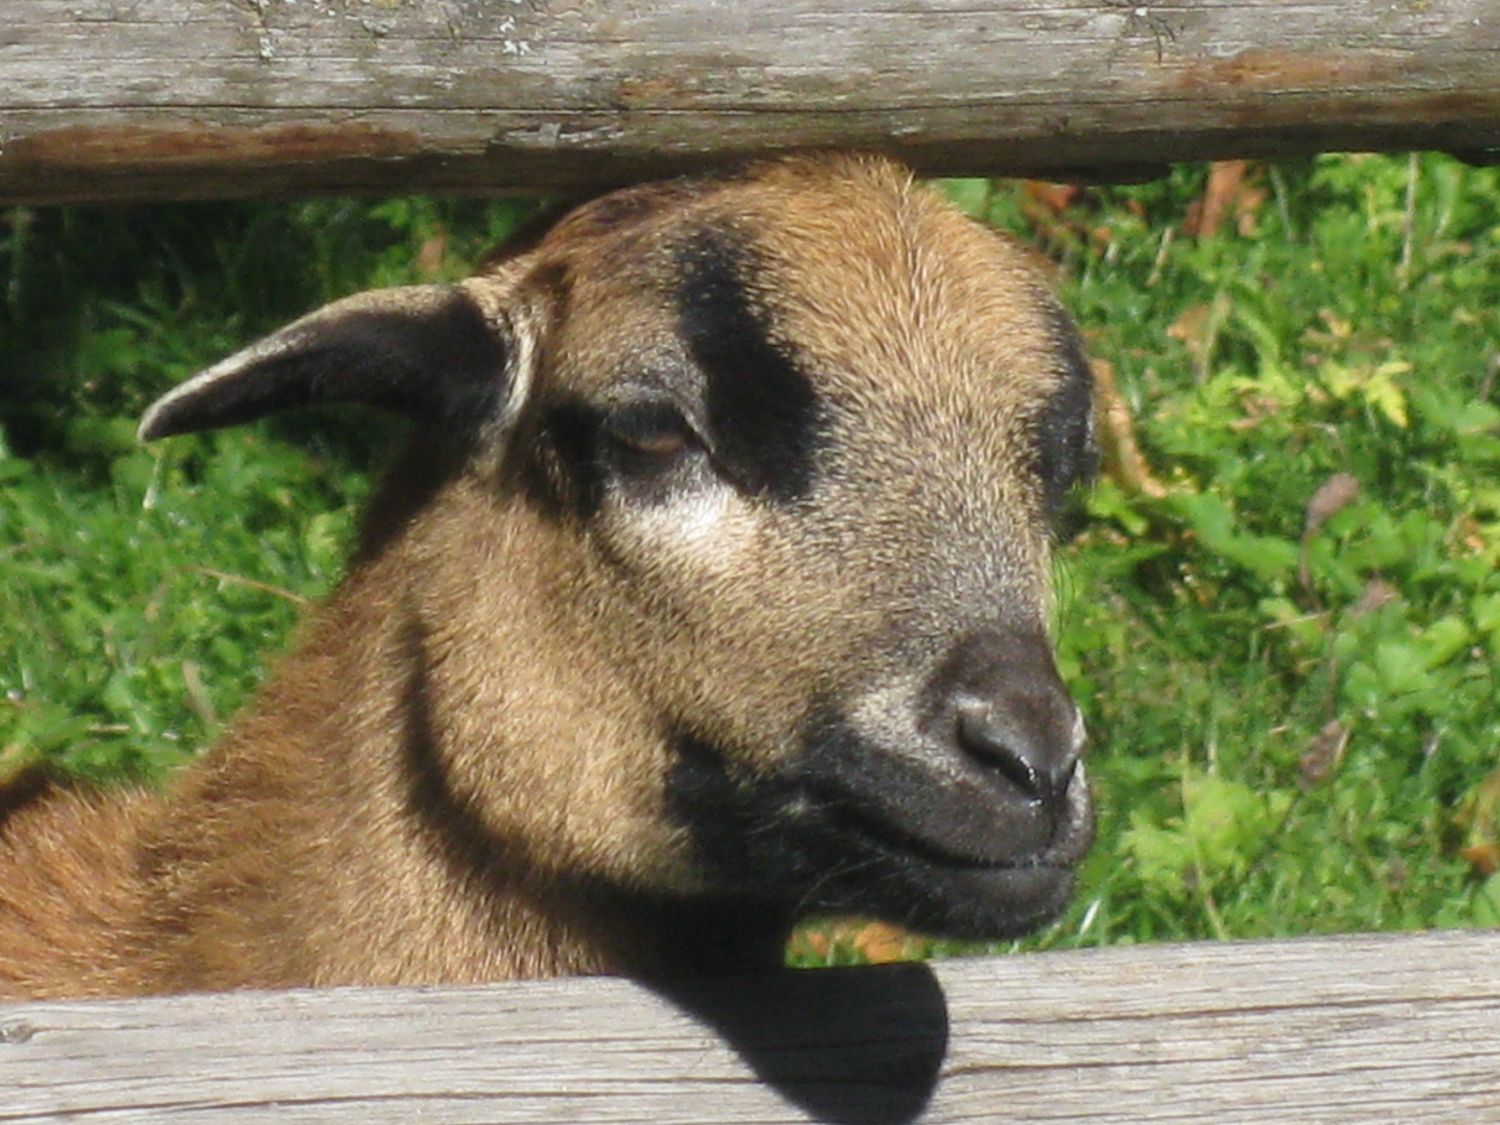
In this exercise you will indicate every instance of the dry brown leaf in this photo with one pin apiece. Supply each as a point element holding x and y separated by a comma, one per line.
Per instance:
<point>432,255</point>
<point>1247,207</point>
<point>812,942</point>
<point>197,695</point>
<point>1484,857</point>
<point>1258,408</point>
<point>1324,753</point>
<point>1197,326</point>
<point>1056,198</point>
<point>1333,496</point>
<point>1225,178</point>
<point>1468,536</point>
<point>1062,214</point>
<point>881,943</point>
<point>1121,459</point>
<point>1190,324</point>
<point>1376,594</point>
<point>1478,817</point>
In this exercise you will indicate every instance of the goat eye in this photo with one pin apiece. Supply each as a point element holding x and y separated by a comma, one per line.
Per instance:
<point>654,431</point>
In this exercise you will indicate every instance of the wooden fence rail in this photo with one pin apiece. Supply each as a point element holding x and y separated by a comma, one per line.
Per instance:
<point>1372,1028</point>
<point>152,99</point>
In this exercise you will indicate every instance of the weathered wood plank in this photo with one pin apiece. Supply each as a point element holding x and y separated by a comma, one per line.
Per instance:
<point>1333,1029</point>
<point>139,99</point>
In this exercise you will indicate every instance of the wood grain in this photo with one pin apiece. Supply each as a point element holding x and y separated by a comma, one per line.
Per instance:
<point>150,99</point>
<point>1369,1028</point>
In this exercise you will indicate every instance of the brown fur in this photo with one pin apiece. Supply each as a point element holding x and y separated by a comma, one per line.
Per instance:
<point>460,773</point>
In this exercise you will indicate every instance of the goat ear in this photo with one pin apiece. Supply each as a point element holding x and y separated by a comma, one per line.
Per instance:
<point>438,352</point>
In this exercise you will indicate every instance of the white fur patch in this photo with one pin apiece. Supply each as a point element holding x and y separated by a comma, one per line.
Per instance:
<point>707,524</point>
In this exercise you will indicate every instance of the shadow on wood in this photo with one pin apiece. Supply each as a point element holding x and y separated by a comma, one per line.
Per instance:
<point>828,1041</point>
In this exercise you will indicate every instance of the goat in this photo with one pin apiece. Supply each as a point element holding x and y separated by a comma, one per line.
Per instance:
<point>711,589</point>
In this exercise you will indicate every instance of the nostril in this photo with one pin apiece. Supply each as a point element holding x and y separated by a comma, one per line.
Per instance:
<point>1034,762</point>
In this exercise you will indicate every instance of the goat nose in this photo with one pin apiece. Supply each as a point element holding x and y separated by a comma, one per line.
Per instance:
<point>997,699</point>
<point>1021,737</point>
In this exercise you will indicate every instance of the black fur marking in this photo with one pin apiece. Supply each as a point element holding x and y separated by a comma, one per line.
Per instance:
<point>764,419</point>
<point>427,461</point>
<point>443,365</point>
<point>1065,447</point>
<point>636,931</point>
<point>568,474</point>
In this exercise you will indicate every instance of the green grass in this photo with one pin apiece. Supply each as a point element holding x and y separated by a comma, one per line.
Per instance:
<point>142,590</point>
<point>1293,733</point>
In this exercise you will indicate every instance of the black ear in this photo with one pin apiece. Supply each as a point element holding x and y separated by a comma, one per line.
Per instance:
<point>427,351</point>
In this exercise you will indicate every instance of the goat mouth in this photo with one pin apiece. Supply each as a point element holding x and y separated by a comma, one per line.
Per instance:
<point>877,867</point>
<point>822,845</point>
<point>882,831</point>
<point>942,886</point>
